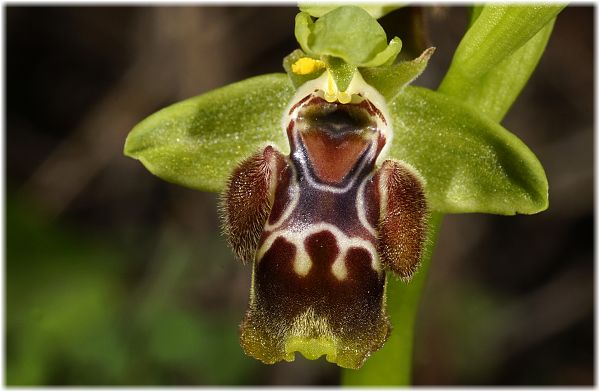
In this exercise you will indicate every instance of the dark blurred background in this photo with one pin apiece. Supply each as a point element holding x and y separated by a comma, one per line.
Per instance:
<point>116,277</point>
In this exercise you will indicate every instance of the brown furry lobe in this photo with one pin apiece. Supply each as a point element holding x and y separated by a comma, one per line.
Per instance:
<point>247,199</point>
<point>403,218</point>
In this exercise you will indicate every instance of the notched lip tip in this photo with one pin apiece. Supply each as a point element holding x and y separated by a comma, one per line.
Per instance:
<point>311,348</point>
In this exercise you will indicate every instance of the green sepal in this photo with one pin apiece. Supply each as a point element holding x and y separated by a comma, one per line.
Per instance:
<point>341,72</point>
<point>197,142</point>
<point>349,33</point>
<point>469,162</point>
<point>296,79</point>
<point>375,10</point>
<point>390,80</point>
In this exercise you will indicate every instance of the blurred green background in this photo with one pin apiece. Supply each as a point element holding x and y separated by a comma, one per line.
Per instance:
<point>114,277</point>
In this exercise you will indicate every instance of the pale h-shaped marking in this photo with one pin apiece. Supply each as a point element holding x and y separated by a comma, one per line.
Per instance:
<point>302,261</point>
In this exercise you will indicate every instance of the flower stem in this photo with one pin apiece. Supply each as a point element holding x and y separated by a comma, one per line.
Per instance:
<point>392,365</point>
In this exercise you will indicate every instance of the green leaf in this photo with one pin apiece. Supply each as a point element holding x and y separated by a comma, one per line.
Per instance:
<point>500,87</point>
<point>497,32</point>
<point>197,142</point>
<point>375,10</point>
<point>390,80</point>
<point>296,79</point>
<point>469,162</point>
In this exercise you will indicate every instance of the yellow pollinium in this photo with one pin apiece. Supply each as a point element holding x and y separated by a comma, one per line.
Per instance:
<point>307,65</point>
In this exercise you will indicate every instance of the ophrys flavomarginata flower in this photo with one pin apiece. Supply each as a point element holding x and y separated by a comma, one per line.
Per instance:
<point>322,224</point>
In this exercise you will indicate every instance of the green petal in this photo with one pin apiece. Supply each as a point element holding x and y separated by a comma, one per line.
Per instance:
<point>349,33</point>
<point>197,142</point>
<point>470,163</point>
<point>496,33</point>
<point>386,56</point>
<point>375,10</point>
<point>390,80</point>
